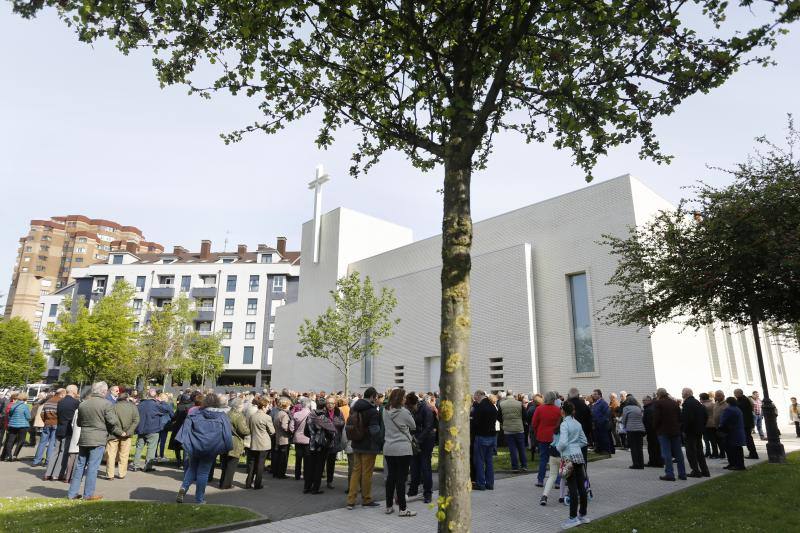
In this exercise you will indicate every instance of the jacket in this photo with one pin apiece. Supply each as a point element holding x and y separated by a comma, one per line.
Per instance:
<point>667,417</point>
<point>282,422</point>
<point>300,418</point>
<point>709,407</point>
<point>732,424</point>
<point>484,419</point>
<point>261,428</point>
<point>545,420</point>
<point>128,417</point>
<point>97,419</point>
<point>19,415</point>
<point>719,407</point>
<point>425,422</point>
<point>632,418</point>
<point>49,412</point>
<point>511,411</point>
<point>153,416</point>
<point>321,432</point>
<point>747,413</point>
<point>399,424</point>
<point>372,441</point>
<point>601,413</point>
<point>582,414</point>
<point>65,411</point>
<point>74,434</point>
<point>571,440</point>
<point>337,419</point>
<point>693,416</point>
<point>239,430</point>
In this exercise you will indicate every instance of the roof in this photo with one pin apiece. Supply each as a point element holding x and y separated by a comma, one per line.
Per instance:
<point>292,258</point>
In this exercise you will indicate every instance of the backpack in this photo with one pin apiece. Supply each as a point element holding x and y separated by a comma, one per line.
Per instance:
<point>355,426</point>
<point>206,436</point>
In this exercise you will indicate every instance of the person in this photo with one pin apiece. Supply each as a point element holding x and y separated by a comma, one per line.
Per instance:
<point>5,401</point>
<point>570,441</point>
<point>667,425</point>
<point>719,406</point>
<point>530,409</point>
<point>364,429</point>
<point>510,414</point>
<point>151,421</point>
<point>118,449</point>
<point>65,412</point>
<point>205,434</point>
<point>601,415</point>
<point>73,449</point>
<point>485,441</point>
<point>97,420</point>
<point>18,417</point>
<point>113,394</point>
<point>425,433</point>
<point>632,421</point>
<point>261,429</point>
<point>284,427</point>
<point>743,402</point>
<point>544,422</point>
<point>167,417</point>
<point>321,434</point>
<point>47,444</point>
<point>794,415</point>
<point>693,421</point>
<point>239,430</point>
<point>333,414</point>
<point>615,410</point>
<point>583,415</point>
<point>185,402</point>
<point>758,414</point>
<point>397,451</point>
<point>710,431</point>
<point>36,418</point>
<point>731,430</point>
<point>653,448</point>
<point>300,418</point>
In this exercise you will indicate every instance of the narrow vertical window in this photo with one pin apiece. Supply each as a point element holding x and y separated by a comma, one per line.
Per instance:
<point>581,323</point>
<point>732,368</point>
<point>226,354</point>
<point>716,370</point>
<point>748,367</point>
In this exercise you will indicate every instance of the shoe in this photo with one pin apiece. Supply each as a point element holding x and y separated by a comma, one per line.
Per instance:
<point>389,510</point>
<point>524,469</point>
<point>694,474</point>
<point>572,522</point>
<point>561,500</point>
<point>752,457</point>
<point>316,491</point>
<point>371,504</point>
<point>489,487</point>
<point>707,474</point>
<point>181,494</point>
<point>151,469</point>
<point>350,507</point>
<point>479,487</point>
<point>584,519</point>
<point>407,512</point>
<point>727,467</point>
<point>48,478</point>
<point>539,484</point>
<point>426,499</point>
<point>666,478</point>
<point>543,500</point>
<point>558,487</point>
<point>93,498</point>
<point>682,478</point>
<point>77,497</point>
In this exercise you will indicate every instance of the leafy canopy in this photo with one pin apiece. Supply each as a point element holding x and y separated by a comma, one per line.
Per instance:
<point>731,254</point>
<point>17,339</point>
<point>164,339</point>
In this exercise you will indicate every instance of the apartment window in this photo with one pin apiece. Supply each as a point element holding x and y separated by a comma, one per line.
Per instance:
<point>208,279</point>
<point>37,324</point>
<point>137,305</point>
<point>278,283</point>
<point>29,248</point>
<point>266,258</point>
<point>716,369</point>
<point>206,304</point>
<point>140,281</point>
<point>230,285</point>
<point>43,292</point>
<point>163,302</point>
<point>26,260</point>
<point>248,355</point>
<point>46,238</point>
<point>204,327</point>
<point>78,260</point>
<point>581,323</point>
<point>366,370</point>
<point>733,369</point>
<point>46,345</point>
<point>44,248</point>
<point>399,376</point>
<point>229,303</point>
<point>226,354</point>
<point>81,240</point>
<point>227,330</point>
<point>117,279</point>
<point>100,284</point>
<point>100,256</point>
<point>496,374</point>
<point>42,258</point>
<point>117,259</point>
<point>253,285</point>
<point>40,268</point>
<point>250,330</point>
<point>167,281</point>
<point>167,261</point>
<point>82,250</point>
<point>252,306</point>
<point>227,259</point>
<point>186,282</point>
<point>272,332</point>
<point>53,310</point>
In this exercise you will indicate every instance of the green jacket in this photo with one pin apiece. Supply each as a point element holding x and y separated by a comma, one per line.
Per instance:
<point>97,420</point>
<point>128,416</point>
<point>240,430</point>
<point>511,411</point>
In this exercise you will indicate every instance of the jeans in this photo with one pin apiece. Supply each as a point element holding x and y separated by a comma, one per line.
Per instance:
<point>46,443</point>
<point>151,441</point>
<point>544,455</point>
<point>421,471</point>
<point>671,447</point>
<point>484,461</point>
<point>759,421</point>
<point>396,475</point>
<point>516,449</point>
<point>162,442</point>
<point>87,464</point>
<point>57,464</point>
<point>197,473</point>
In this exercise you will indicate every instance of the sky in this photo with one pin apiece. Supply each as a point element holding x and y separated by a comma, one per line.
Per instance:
<point>87,130</point>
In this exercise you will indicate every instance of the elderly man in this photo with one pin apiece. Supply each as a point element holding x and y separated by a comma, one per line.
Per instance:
<point>484,420</point>
<point>153,415</point>
<point>96,419</point>
<point>47,444</point>
<point>694,417</point>
<point>746,407</point>
<point>510,412</point>
<point>119,448</point>
<point>65,410</point>
<point>667,425</point>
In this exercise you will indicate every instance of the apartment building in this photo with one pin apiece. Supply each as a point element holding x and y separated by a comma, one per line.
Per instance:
<point>236,293</point>
<point>52,248</point>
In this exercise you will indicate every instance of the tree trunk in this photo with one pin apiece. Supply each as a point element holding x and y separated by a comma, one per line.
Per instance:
<point>775,450</point>
<point>346,380</point>
<point>454,509</point>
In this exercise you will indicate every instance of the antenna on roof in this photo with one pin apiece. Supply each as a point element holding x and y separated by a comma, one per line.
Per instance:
<point>225,245</point>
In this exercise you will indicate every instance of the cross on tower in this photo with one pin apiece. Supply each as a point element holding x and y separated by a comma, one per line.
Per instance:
<point>320,179</point>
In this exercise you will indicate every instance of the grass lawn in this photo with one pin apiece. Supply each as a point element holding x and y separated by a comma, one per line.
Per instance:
<point>764,498</point>
<point>48,515</point>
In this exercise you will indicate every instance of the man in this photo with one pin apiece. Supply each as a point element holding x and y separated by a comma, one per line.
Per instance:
<point>756,400</point>
<point>583,415</point>
<point>653,448</point>
<point>601,416</point>
<point>119,448</point>
<point>47,443</point>
<point>719,406</point>
<point>65,411</point>
<point>96,419</point>
<point>667,425</point>
<point>743,402</point>
<point>365,422</point>
<point>113,394</point>
<point>425,432</point>
<point>693,419</point>
<point>510,412</point>
<point>485,420</point>
<point>151,414</point>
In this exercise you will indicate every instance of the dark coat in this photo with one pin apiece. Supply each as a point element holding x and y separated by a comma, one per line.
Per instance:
<point>65,411</point>
<point>601,413</point>
<point>426,424</point>
<point>372,441</point>
<point>485,419</point>
<point>153,416</point>
<point>732,424</point>
<point>693,416</point>
<point>177,422</point>
<point>582,414</point>
<point>746,408</point>
<point>647,418</point>
<point>667,417</point>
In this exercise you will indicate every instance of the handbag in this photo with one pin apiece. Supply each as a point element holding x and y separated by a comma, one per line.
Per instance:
<point>566,468</point>
<point>412,438</point>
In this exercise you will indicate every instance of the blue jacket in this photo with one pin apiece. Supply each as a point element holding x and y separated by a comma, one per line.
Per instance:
<point>570,440</point>
<point>731,422</point>
<point>153,416</point>
<point>19,416</point>
<point>600,413</point>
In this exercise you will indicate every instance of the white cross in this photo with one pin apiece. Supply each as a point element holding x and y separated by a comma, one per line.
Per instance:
<point>320,179</point>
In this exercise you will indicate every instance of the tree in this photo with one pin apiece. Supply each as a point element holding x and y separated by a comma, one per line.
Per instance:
<point>20,355</point>
<point>351,329</point>
<point>730,255</point>
<point>436,81</point>
<point>101,343</point>
<point>164,340</point>
<point>203,358</point>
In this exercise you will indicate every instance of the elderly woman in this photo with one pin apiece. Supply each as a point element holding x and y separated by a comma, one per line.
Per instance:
<point>18,419</point>
<point>545,419</point>
<point>282,421</point>
<point>633,422</point>
<point>261,429</point>
<point>334,414</point>
<point>300,419</point>
<point>239,430</point>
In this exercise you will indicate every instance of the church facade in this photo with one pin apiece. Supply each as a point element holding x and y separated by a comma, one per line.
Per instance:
<point>538,283</point>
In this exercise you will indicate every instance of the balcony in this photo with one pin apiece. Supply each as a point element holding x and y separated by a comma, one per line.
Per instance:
<point>162,292</point>
<point>204,292</point>
<point>204,314</point>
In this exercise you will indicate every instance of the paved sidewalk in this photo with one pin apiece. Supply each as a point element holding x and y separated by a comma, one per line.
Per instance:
<point>514,504</point>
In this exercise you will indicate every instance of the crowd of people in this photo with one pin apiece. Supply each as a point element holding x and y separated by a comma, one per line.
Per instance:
<point>206,430</point>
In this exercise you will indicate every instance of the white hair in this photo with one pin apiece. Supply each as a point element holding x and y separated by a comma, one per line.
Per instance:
<point>101,387</point>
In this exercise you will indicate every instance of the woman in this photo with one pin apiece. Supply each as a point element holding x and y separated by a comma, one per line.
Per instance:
<point>554,461</point>
<point>282,421</point>
<point>166,425</point>
<point>397,451</point>
<point>710,431</point>
<point>334,414</point>
<point>239,430</point>
<point>261,429</point>
<point>545,420</point>
<point>794,415</point>
<point>535,402</point>
<point>300,417</point>
<point>614,410</point>
<point>320,432</point>
<point>570,441</point>
<point>184,403</point>
<point>731,429</point>
<point>633,423</point>
<point>205,434</point>
<point>19,423</point>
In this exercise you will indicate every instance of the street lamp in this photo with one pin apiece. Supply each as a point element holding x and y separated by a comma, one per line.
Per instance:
<point>775,450</point>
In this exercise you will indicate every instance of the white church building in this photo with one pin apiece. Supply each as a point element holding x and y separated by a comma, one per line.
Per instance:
<point>538,280</point>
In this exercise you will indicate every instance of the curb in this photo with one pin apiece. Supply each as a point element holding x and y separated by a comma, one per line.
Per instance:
<point>232,526</point>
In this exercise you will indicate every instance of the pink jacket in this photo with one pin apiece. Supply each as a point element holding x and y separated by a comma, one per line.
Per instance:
<point>300,417</point>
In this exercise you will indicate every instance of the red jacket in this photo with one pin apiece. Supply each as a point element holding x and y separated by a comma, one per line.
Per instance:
<point>544,422</point>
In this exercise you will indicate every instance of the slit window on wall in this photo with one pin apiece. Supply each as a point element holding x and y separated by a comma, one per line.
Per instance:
<point>732,368</point>
<point>713,354</point>
<point>748,367</point>
<point>581,323</point>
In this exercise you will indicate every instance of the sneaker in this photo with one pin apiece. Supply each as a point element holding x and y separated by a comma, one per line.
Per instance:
<point>407,512</point>
<point>389,510</point>
<point>181,494</point>
<point>584,519</point>
<point>543,500</point>
<point>572,522</point>
<point>350,506</point>
<point>371,504</point>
